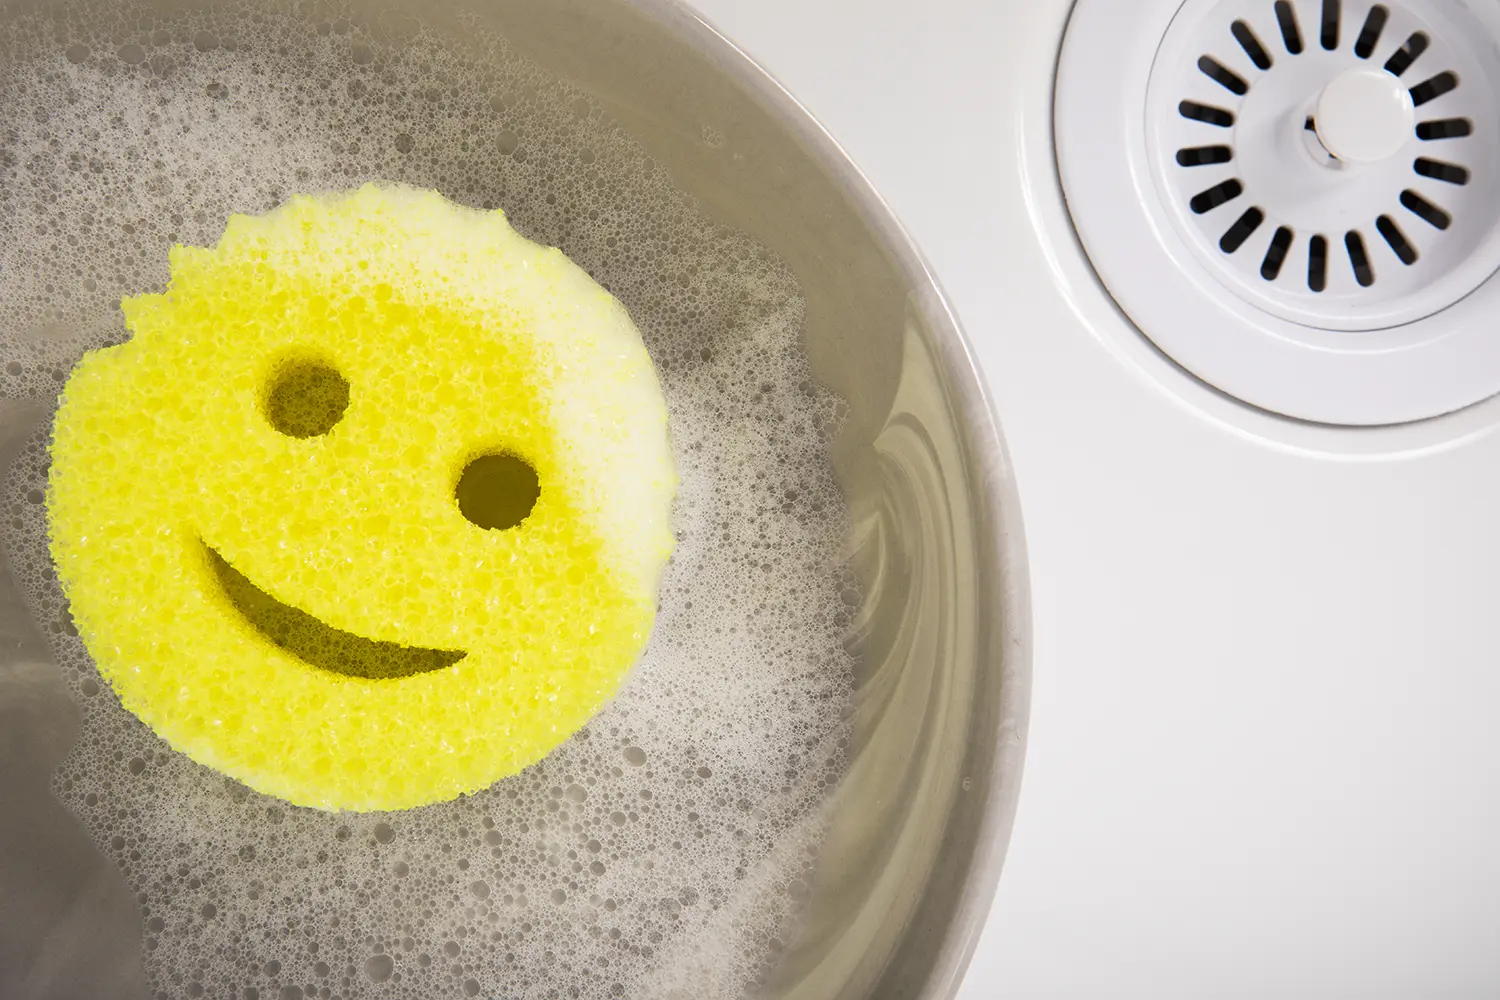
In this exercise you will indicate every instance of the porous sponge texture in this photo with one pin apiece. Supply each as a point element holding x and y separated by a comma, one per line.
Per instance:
<point>457,338</point>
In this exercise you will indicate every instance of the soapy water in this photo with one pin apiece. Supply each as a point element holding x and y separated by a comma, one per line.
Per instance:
<point>666,850</point>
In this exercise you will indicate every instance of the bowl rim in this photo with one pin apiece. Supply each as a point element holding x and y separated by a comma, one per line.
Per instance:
<point>1005,553</point>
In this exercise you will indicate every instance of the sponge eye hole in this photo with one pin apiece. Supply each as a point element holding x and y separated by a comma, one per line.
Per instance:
<point>306,398</point>
<point>497,491</point>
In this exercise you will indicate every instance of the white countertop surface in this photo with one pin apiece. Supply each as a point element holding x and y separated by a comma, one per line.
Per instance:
<point>1264,758</point>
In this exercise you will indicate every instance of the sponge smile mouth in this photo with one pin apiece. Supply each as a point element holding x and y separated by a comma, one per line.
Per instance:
<point>320,645</point>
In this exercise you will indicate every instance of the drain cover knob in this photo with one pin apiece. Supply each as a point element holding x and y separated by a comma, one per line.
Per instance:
<point>1365,116</point>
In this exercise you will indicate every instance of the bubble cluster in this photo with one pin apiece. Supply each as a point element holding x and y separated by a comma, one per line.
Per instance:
<point>666,850</point>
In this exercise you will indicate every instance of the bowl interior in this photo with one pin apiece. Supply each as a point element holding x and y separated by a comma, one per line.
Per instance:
<point>915,828</point>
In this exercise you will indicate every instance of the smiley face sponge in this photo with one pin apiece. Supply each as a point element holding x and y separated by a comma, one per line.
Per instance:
<point>372,509</point>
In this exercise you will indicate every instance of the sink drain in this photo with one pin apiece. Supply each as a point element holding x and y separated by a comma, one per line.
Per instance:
<point>1299,202</point>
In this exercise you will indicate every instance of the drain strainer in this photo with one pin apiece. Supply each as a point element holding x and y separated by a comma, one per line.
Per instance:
<point>1297,200</point>
<point>1326,170</point>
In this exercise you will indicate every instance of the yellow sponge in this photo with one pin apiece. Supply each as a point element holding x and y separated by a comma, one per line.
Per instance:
<point>372,509</point>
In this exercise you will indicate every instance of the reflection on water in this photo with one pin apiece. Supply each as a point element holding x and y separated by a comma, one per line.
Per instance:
<point>916,640</point>
<point>68,923</point>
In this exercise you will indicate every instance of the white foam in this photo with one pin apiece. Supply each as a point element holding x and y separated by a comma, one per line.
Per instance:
<point>667,847</point>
